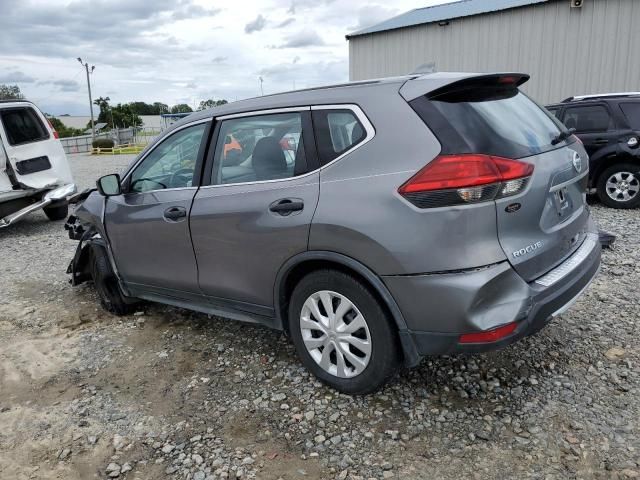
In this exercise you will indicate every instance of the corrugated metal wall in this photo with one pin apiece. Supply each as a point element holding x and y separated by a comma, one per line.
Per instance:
<point>567,51</point>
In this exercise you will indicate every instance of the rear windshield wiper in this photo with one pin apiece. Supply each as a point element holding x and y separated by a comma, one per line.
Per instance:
<point>563,136</point>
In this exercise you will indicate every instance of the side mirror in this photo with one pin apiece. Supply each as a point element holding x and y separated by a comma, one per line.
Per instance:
<point>109,185</point>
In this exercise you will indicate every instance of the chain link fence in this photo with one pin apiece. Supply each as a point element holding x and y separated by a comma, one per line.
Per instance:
<point>120,136</point>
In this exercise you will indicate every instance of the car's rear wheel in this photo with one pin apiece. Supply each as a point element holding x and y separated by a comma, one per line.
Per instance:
<point>59,212</point>
<point>619,186</point>
<point>342,333</point>
<point>106,283</point>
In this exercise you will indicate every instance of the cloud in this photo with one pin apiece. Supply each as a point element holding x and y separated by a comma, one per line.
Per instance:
<point>67,85</point>
<point>312,74</point>
<point>286,22</point>
<point>152,54</point>
<point>64,85</point>
<point>16,77</point>
<point>122,31</point>
<point>303,38</point>
<point>186,10</point>
<point>256,25</point>
<point>372,14</point>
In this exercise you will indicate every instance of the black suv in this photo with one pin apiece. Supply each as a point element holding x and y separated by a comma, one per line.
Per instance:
<point>609,127</point>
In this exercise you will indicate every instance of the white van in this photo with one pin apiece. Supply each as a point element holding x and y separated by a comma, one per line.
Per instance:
<point>34,172</point>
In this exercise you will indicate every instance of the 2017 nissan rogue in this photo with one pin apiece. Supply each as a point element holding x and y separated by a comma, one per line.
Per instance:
<point>414,216</point>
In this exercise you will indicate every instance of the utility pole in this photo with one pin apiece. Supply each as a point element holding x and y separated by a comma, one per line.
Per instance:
<point>261,89</point>
<point>86,67</point>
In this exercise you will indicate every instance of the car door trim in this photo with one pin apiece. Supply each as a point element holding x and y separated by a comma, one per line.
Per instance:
<point>270,111</point>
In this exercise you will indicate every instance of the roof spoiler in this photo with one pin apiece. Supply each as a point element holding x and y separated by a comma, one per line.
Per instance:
<point>490,80</point>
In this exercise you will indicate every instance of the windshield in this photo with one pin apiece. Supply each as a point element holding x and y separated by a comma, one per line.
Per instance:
<point>498,121</point>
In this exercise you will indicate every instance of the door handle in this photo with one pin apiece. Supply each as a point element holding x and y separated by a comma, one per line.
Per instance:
<point>286,206</point>
<point>174,214</point>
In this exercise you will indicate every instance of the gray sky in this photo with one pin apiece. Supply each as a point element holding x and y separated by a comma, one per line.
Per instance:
<point>178,51</point>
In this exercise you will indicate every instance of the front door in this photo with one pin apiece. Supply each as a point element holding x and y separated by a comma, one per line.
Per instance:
<point>148,225</point>
<point>257,210</point>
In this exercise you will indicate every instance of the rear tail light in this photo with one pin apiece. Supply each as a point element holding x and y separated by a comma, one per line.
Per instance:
<point>490,335</point>
<point>468,178</point>
<point>55,133</point>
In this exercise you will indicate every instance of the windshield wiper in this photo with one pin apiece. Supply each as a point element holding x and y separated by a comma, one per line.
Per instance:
<point>563,136</point>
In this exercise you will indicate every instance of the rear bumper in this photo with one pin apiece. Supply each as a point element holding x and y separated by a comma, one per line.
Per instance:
<point>54,197</point>
<point>439,308</point>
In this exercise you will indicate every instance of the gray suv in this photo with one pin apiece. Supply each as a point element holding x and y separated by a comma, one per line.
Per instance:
<point>374,222</point>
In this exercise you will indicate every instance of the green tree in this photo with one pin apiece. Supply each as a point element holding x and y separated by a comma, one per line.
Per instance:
<point>103,104</point>
<point>204,104</point>
<point>63,130</point>
<point>10,92</point>
<point>181,108</point>
<point>124,116</point>
<point>160,108</point>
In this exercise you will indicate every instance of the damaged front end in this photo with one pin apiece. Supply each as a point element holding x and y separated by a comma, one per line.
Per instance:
<point>86,227</point>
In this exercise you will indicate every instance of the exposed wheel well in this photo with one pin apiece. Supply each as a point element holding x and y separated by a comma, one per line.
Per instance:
<point>306,267</point>
<point>610,161</point>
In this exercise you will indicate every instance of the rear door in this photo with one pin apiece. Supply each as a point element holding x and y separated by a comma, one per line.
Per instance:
<point>35,154</point>
<point>593,123</point>
<point>545,220</point>
<point>257,210</point>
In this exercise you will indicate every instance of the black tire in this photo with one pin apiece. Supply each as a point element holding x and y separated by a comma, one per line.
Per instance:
<point>623,170</point>
<point>106,284</point>
<point>384,358</point>
<point>57,213</point>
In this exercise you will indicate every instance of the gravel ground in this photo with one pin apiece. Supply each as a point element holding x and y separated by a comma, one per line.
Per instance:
<point>166,393</point>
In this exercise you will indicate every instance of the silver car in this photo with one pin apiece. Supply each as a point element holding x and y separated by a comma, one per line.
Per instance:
<point>374,222</point>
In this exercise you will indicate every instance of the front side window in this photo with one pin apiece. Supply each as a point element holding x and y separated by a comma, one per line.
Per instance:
<point>258,148</point>
<point>171,164</point>
<point>22,125</point>
<point>592,118</point>
<point>336,132</point>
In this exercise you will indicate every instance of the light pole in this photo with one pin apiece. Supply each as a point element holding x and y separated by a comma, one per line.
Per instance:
<point>261,89</point>
<point>86,67</point>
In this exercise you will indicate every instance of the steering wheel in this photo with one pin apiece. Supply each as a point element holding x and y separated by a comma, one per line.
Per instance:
<point>185,174</point>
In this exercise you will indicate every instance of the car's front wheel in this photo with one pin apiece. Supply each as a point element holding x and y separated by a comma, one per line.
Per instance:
<point>619,186</point>
<point>342,333</point>
<point>106,283</point>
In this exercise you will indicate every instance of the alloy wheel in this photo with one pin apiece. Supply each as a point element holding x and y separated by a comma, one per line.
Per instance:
<point>335,334</point>
<point>622,186</point>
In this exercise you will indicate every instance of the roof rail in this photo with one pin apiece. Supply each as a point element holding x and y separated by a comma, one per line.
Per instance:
<point>13,100</point>
<point>601,95</point>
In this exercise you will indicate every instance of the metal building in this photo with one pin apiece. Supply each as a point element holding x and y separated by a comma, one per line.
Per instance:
<point>569,47</point>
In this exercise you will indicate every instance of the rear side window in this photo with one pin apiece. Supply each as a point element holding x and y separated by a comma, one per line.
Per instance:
<point>500,121</point>
<point>22,125</point>
<point>590,118</point>
<point>632,112</point>
<point>336,132</point>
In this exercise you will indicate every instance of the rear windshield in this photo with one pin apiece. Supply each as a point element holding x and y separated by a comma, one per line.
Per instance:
<point>22,125</point>
<point>632,112</point>
<point>499,121</point>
